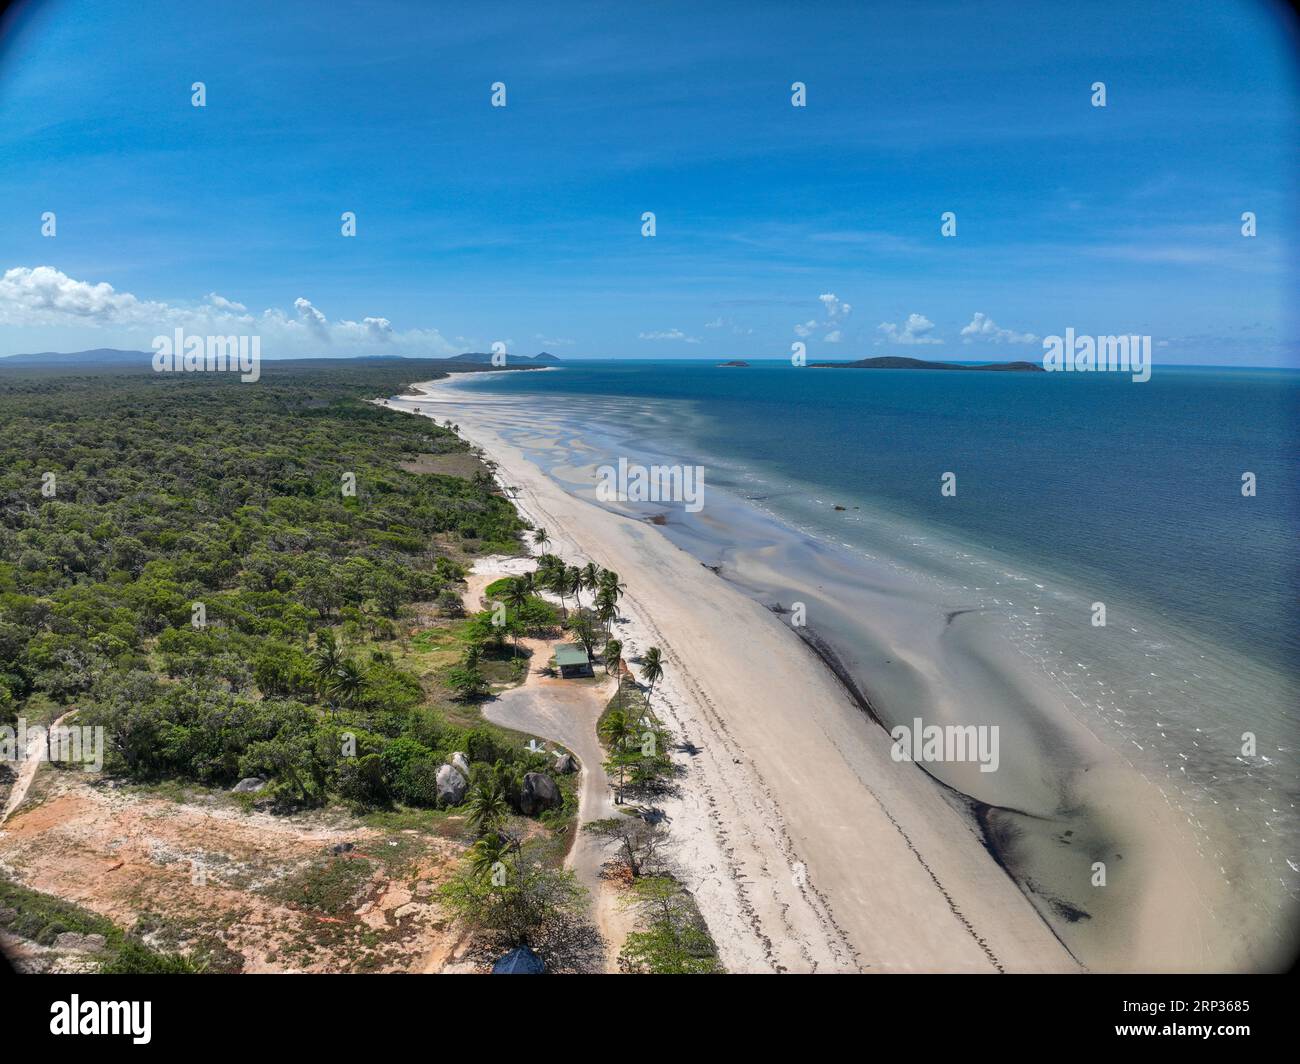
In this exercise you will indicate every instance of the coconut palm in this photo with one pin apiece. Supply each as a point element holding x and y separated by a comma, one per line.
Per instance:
<point>606,610</point>
<point>488,850</point>
<point>516,598</point>
<point>652,671</point>
<point>541,538</point>
<point>573,583</point>
<point>616,728</point>
<point>552,575</point>
<point>591,576</point>
<point>487,805</point>
<point>612,656</point>
<point>609,579</point>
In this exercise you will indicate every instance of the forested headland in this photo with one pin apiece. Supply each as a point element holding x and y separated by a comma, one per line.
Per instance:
<point>231,578</point>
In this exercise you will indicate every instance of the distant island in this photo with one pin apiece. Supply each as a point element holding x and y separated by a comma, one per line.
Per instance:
<point>898,362</point>
<point>740,362</point>
<point>542,358</point>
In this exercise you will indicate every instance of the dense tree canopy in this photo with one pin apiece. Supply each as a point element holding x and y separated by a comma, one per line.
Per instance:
<point>172,546</point>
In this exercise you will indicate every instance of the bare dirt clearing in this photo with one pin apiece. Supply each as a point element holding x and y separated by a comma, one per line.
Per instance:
<point>255,892</point>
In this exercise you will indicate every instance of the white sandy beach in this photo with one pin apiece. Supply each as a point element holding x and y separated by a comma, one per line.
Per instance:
<point>808,849</point>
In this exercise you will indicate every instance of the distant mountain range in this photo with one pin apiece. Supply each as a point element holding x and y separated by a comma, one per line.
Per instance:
<point>100,356</point>
<point>111,356</point>
<point>898,362</point>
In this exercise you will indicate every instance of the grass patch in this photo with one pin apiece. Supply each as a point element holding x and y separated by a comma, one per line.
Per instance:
<point>332,886</point>
<point>42,918</point>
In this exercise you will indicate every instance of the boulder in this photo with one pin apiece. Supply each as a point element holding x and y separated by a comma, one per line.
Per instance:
<point>566,763</point>
<point>451,785</point>
<point>251,785</point>
<point>538,792</point>
<point>461,762</point>
<point>70,940</point>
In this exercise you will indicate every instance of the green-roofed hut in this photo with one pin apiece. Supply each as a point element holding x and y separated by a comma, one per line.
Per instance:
<point>571,659</point>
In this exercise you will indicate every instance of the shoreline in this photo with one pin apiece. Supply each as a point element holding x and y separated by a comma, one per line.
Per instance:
<point>1068,813</point>
<point>806,847</point>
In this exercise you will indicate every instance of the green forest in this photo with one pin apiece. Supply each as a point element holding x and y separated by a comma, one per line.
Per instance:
<point>230,578</point>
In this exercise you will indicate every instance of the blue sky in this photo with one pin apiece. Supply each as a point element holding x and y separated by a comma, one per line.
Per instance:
<point>774,223</point>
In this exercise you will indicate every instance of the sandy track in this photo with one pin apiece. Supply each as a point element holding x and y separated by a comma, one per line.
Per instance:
<point>28,768</point>
<point>564,712</point>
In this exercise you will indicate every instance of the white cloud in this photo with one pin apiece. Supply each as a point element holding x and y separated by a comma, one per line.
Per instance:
<point>834,308</point>
<point>555,341</point>
<point>716,323</point>
<point>46,297</point>
<point>669,334</point>
<point>312,318</point>
<point>982,327</point>
<point>916,330</point>
<point>222,303</point>
<point>835,314</point>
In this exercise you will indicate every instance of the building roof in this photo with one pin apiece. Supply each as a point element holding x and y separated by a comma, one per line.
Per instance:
<point>519,961</point>
<point>571,654</point>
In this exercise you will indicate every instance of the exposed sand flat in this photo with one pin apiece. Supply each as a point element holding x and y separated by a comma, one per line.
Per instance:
<point>809,849</point>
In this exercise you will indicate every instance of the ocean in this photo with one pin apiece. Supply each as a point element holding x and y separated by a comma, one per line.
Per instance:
<point>823,488</point>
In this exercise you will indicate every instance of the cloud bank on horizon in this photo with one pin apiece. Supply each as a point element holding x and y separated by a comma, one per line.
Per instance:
<point>43,296</point>
<point>823,222</point>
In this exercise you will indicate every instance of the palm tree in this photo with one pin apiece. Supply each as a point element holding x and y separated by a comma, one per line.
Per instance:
<point>349,683</point>
<point>516,598</point>
<point>555,579</point>
<point>573,583</point>
<point>616,728</point>
<point>612,656</point>
<point>488,850</point>
<point>606,611</point>
<point>541,538</point>
<point>652,671</point>
<point>591,576</point>
<point>325,659</point>
<point>609,579</point>
<point>487,805</point>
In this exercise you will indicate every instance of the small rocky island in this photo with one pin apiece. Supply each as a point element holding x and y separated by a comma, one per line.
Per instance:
<point>898,362</point>
<point>739,362</point>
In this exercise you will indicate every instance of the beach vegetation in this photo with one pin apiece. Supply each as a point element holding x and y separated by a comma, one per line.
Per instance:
<point>674,939</point>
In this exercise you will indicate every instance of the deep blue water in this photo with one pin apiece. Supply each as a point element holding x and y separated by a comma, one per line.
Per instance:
<point>1126,488</point>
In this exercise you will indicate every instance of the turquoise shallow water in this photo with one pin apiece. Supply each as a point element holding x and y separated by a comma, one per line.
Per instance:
<point>1070,490</point>
<point>1131,487</point>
